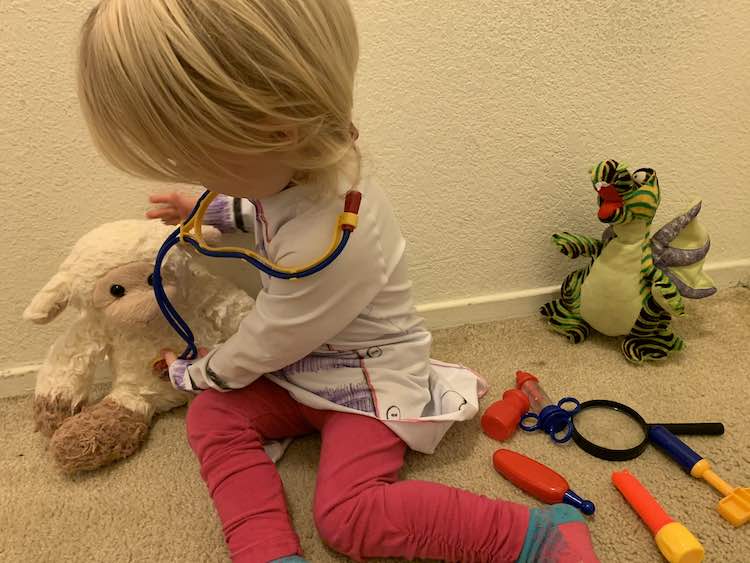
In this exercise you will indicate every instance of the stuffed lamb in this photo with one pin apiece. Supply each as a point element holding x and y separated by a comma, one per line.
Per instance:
<point>106,279</point>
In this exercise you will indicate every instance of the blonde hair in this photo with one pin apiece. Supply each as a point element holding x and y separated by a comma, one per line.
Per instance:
<point>165,85</point>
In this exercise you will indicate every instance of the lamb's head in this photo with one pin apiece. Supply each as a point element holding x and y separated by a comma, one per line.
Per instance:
<point>109,273</point>
<point>124,295</point>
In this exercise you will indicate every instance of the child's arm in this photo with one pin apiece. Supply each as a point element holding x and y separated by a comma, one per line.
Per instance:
<point>292,318</point>
<point>228,214</point>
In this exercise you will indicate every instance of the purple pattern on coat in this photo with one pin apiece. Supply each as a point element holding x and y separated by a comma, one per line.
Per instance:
<point>357,396</point>
<point>178,375</point>
<point>314,364</point>
<point>220,215</point>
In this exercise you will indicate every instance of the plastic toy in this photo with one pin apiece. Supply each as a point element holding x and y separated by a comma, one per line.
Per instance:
<point>735,506</point>
<point>105,285</point>
<point>501,418</point>
<point>538,480</point>
<point>676,543</point>
<point>190,231</point>
<point>604,452</point>
<point>635,283</point>
<point>549,417</point>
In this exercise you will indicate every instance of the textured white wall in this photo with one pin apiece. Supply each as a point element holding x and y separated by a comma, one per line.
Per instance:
<point>479,117</point>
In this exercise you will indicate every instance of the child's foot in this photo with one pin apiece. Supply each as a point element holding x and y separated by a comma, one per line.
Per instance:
<point>290,559</point>
<point>557,534</point>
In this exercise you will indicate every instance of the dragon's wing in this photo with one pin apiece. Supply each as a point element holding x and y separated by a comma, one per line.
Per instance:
<point>608,235</point>
<point>679,249</point>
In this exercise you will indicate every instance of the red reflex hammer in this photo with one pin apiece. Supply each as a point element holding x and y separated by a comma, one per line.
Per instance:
<point>538,480</point>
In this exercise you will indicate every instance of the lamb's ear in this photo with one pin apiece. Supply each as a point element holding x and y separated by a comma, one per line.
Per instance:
<point>50,301</point>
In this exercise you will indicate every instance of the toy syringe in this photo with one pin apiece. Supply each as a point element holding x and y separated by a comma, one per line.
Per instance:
<point>674,540</point>
<point>538,480</point>
<point>549,417</point>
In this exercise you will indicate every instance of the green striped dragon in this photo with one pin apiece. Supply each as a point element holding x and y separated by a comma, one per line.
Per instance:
<point>634,283</point>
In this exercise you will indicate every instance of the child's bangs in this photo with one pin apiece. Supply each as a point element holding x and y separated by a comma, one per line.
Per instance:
<point>134,98</point>
<point>167,87</point>
<point>129,128</point>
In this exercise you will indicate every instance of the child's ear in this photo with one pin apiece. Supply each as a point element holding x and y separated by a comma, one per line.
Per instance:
<point>288,134</point>
<point>50,301</point>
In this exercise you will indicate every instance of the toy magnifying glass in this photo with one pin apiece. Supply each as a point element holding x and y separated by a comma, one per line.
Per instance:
<point>615,432</point>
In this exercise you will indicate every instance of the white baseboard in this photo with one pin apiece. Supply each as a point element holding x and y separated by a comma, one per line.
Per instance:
<point>17,381</point>
<point>445,314</point>
<point>731,273</point>
<point>525,303</point>
<point>487,308</point>
<point>20,381</point>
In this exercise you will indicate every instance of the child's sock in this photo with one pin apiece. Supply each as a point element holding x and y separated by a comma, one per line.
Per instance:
<point>290,559</point>
<point>557,534</point>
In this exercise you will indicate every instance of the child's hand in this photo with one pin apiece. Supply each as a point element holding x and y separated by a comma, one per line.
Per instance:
<point>168,357</point>
<point>174,208</point>
<point>177,370</point>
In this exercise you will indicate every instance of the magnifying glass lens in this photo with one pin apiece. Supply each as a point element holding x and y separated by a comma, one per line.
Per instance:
<point>609,428</point>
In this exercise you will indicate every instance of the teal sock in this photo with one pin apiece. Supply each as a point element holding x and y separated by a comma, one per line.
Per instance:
<point>290,559</point>
<point>557,534</point>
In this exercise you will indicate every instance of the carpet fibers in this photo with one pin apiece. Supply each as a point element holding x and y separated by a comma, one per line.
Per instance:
<point>153,507</point>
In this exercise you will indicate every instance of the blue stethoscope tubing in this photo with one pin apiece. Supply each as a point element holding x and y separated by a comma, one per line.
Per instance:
<point>170,313</point>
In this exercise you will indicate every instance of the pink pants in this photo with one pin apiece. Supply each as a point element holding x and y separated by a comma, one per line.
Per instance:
<point>361,509</point>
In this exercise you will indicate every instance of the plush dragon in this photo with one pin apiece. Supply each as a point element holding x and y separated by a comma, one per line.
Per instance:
<point>635,283</point>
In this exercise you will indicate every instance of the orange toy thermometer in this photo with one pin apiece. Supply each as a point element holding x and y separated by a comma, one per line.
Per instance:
<point>674,540</point>
<point>538,480</point>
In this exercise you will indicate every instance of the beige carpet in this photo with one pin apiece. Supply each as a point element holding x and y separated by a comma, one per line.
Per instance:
<point>153,507</point>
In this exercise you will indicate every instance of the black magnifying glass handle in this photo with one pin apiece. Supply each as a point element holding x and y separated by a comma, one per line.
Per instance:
<point>694,428</point>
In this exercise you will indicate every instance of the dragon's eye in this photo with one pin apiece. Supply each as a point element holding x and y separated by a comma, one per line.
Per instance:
<point>117,291</point>
<point>640,177</point>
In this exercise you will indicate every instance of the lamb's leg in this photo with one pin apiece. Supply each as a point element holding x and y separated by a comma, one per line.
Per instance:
<point>64,380</point>
<point>116,427</point>
<point>98,436</point>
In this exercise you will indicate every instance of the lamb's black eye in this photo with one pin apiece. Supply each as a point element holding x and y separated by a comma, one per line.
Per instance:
<point>117,291</point>
<point>150,280</point>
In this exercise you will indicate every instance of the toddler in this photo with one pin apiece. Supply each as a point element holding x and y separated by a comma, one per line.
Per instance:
<point>253,99</point>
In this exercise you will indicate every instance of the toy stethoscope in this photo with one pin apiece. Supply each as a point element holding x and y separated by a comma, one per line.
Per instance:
<point>190,232</point>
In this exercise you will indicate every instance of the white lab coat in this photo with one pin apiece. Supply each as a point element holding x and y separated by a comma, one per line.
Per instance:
<point>347,338</point>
